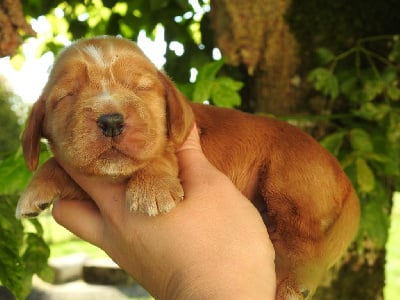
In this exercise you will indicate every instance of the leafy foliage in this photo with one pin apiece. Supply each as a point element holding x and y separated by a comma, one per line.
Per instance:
<point>325,81</point>
<point>184,23</point>
<point>209,87</point>
<point>368,143</point>
<point>22,253</point>
<point>9,123</point>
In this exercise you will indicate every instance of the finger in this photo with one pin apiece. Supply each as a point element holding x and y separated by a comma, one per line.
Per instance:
<point>192,141</point>
<point>81,218</point>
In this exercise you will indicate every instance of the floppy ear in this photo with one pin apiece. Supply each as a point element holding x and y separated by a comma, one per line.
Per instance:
<point>32,134</point>
<point>180,117</point>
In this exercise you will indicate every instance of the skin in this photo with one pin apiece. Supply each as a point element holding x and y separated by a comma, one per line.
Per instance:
<point>213,245</point>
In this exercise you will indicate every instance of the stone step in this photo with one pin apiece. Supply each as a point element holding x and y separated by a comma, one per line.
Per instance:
<point>79,277</point>
<point>80,290</point>
<point>104,271</point>
<point>68,268</point>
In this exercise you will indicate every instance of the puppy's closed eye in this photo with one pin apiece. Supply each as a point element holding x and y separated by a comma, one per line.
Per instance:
<point>59,97</point>
<point>63,97</point>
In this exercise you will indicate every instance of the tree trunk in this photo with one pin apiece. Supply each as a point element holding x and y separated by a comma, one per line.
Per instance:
<point>12,25</point>
<point>254,34</point>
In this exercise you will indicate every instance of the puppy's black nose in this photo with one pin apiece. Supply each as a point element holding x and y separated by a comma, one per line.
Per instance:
<point>111,124</point>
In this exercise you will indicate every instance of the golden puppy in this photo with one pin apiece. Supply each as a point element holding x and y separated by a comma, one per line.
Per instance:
<point>107,111</point>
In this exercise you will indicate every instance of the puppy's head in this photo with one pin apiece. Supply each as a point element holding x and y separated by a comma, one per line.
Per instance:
<point>106,110</point>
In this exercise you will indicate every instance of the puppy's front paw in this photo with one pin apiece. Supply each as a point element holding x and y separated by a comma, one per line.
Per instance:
<point>44,188</point>
<point>153,195</point>
<point>35,199</point>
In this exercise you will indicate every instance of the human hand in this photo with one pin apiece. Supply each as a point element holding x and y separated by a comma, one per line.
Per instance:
<point>213,245</point>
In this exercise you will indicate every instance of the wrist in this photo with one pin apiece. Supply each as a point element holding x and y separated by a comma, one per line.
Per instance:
<point>237,280</point>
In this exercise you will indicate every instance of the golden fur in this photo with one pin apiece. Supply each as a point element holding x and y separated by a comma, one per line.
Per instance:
<point>107,111</point>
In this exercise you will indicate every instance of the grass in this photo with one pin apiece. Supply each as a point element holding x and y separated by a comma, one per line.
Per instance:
<point>392,288</point>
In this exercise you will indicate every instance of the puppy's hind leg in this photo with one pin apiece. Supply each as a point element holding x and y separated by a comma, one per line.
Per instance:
<point>45,187</point>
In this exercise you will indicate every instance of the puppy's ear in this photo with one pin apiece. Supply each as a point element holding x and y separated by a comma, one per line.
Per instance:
<point>180,117</point>
<point>32,134</point>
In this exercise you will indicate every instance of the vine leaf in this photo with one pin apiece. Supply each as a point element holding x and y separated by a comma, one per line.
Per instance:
<point>333,142</point>
<point>365,176</point>
<point>360,141</point>
<point>324,55</point>
<point>223,91</point>
<point>325,82</point>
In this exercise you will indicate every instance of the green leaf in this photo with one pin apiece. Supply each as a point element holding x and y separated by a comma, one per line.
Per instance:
<point>389,75</point>
<point>365,176</point>
<point>229,83</point>
<point>376,157</point>
<point>393,92</point>
<point>333,142</point>
<point>36,253</point>
<point>186,88</point>
<point>22,254</point>
<point>372,111</point>
<point>375,219</point>
<point>324,81</point>
<point>224,92</point>
<point>225,97</point>
<point>324,56</point>
<point>373,88</point>
<point>202,90</point>
<point>13,274</point>
<point>393,130</point>
<point>209,71</point>
<point>14,175</point>
<point>351,88</point>
<point>360,141</point>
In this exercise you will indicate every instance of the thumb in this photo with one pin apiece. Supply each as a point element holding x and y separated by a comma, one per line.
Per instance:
<point>191,150</point>
<point>191,158</point>
<point>194,168</point>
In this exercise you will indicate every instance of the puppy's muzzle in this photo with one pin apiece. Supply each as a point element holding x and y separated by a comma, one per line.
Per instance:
<point>111,124</point>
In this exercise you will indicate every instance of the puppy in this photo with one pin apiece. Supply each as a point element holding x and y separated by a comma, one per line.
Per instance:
<point>107,111</point>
